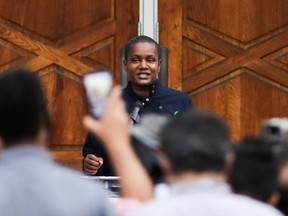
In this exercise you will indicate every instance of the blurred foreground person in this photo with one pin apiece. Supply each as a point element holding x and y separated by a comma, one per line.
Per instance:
<point>145,142</point>
<point>276,131</point>
<point>255,170</point>
<point>283,178</point>
<point>194,149</point>
<point>31,183</point>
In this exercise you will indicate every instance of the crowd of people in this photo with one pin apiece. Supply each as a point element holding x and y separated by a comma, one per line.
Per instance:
<point>206,174</point>
<point>176,160</point>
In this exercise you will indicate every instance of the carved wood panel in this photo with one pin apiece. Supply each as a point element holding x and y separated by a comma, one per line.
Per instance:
<point>233,57</point>
<point>61,41</point>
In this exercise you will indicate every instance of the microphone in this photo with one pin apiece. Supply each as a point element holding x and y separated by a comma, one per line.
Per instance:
<point>134,115</point>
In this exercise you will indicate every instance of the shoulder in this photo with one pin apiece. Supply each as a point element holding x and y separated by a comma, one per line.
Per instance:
<point>175,97</point>
<point>150,208</point>
<point>72,193</point>
<point>174,92</point>
<point>128,96</point>
<point>69,180</point>
<point>71,183</point>
<point>218,205</point>
<point>248,204</point>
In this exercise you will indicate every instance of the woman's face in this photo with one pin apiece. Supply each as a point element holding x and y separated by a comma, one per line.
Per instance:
<point>142,64</point>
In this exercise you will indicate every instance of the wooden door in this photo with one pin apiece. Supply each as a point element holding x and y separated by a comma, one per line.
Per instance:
<point>230,57</point>
<point>61,40</point>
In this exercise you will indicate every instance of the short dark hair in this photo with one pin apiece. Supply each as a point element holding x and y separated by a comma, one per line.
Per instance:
<point>282,154</point>
<point>255,170</point>
<point>145,142</point>
<point>149,160</point>
<point>139,39</point>
<point>23,107</point>
<point>196,141</point>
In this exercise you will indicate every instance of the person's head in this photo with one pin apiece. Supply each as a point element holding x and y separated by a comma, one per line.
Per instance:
<point>142,60</point>
<point>275,130</point>
<point>195,142</point>
<point>145,142</point>
<point>148,159</point>
<point>282,154</point>
<point>255,169</point>
<point>23,108</point>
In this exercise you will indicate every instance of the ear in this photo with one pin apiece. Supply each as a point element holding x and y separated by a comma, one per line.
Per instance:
<point>159,65</point>
<point>274,198</point>
<point>43,137</point>
<point>1,144</point>
<point>229,163</point>
<point>165,165</point>
<point>125,64</point>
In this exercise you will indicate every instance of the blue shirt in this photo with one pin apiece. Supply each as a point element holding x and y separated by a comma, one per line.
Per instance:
<point>162,100</point>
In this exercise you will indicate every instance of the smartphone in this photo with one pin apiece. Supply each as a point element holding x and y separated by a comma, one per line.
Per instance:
<point>97,87</point>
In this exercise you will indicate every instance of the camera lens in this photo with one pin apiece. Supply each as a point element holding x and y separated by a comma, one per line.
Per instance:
<point>274,130</point>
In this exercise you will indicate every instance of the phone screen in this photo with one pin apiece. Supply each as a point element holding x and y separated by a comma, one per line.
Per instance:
<point>97,87</point>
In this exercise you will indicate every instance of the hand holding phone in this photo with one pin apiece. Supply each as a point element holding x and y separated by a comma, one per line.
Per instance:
<point>97,87</point>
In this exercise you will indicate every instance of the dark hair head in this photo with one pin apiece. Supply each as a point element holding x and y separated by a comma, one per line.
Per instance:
<point>145,142</point>
<point>23,108</point>
<point>149,160</point>
<point>140,39</point>
<point>195,141</point>
<point>255,170</point>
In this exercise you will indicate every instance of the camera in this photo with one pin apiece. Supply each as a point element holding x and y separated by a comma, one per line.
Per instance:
<point>97,87</point>
<point>275,129</point>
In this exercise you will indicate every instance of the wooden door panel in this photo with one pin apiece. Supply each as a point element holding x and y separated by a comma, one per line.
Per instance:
<point>61,41</point>
<point>233,58</point>
<point>233,97</point>
<point>53,20</point>
<point>64,93</point>
<point>243,21</point>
